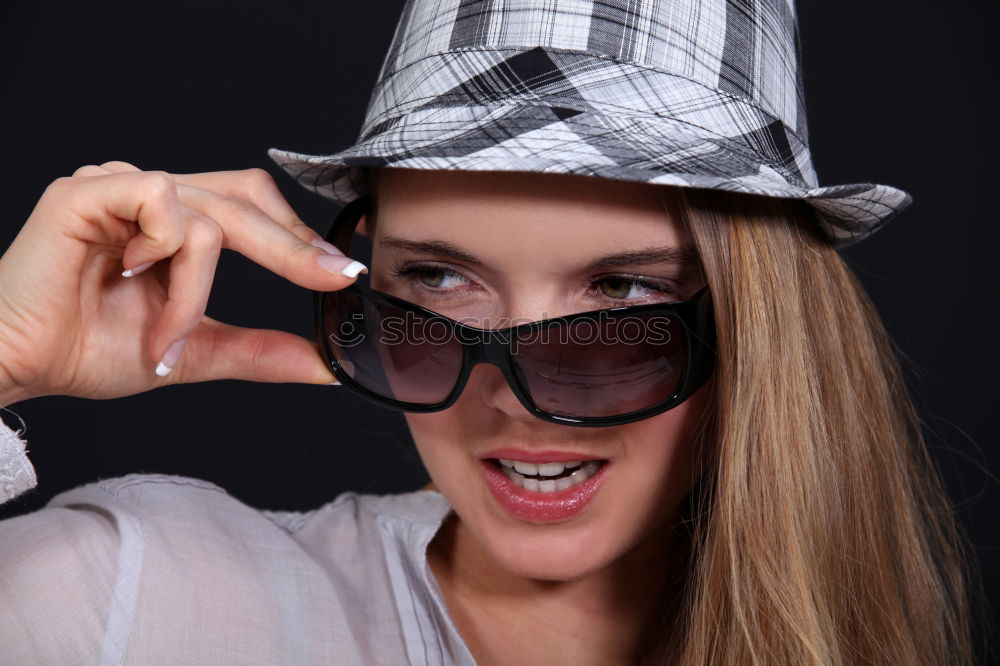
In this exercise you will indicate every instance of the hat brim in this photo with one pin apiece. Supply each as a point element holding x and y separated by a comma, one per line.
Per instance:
<point>548,139</point>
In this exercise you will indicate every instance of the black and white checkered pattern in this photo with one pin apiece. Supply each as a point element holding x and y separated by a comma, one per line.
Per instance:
<point>696,93</point>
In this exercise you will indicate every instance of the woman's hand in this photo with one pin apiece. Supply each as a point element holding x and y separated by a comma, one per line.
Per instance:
<point>72,324</point>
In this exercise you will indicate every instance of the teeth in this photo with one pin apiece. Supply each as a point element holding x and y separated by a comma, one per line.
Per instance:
<point>587,470</point>
<point>543,469</point>
<point>528,469</point>
<point>552,469</point>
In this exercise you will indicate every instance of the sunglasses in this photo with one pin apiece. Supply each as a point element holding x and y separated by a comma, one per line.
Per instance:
<point>600,368</point>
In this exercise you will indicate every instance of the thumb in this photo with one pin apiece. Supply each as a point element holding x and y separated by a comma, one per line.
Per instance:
<point>221,351</point>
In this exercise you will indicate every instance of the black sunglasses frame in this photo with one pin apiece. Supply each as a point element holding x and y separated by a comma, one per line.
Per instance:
<point>495,346</point>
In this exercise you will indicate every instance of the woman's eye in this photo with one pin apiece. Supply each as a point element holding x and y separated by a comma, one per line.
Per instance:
<point>620,287</point>
<point>433,277</point>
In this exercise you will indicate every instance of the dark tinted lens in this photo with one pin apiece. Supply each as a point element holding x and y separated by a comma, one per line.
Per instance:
<point>392,352</point>
<point>602,367</point>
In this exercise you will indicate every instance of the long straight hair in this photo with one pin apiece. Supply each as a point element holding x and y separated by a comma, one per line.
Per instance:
<point>820,532</point>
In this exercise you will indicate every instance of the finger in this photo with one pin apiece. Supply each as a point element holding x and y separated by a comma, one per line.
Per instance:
<point>222,351</point>
<point>258,187</point>
<point>256,235</point>
<point>116,166</point>
<point>192,271</point>
<point>110,208</point>
<point>90,170</point>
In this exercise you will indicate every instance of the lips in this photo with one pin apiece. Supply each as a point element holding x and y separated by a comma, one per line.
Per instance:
<point>536,456</point>
<point>537,506</point>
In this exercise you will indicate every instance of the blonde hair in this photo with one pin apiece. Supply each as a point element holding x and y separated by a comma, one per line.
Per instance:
<point>820,533</point>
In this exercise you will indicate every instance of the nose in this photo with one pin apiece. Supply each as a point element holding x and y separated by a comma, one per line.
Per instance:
<point>489,386</point>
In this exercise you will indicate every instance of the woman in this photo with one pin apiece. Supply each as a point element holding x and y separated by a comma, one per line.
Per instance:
<point>735,526</point>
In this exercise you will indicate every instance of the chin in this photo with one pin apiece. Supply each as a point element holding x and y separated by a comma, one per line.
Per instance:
<point>552,554</point>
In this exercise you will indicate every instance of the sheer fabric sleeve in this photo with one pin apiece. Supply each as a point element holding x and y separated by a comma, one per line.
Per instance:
<point>56,567</point>
<point>57,573</point>
<point>161,569</point>
<point>152,568</point>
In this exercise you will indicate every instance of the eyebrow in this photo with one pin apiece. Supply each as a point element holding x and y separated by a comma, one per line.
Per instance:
<point>653,255</point>
<point>438,247</point>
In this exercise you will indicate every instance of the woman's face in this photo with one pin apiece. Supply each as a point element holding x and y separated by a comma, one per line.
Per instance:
<point>495,249</point>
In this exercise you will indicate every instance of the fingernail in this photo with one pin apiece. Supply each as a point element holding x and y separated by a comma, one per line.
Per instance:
<point>327,247</point>
<point>336,262</point>
<point>135,270</point>
<point>334,383</point>
<point>170,357</point>
<point>341,264</point>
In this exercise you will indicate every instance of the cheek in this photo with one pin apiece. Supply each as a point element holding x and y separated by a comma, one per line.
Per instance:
<point>678,430</point>
<point>656,469</point>
<point>663,460</point>
<point>441,444</point>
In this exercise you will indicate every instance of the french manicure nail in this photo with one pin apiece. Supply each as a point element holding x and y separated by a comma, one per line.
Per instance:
<point>326,247</point>
<point>170,357</point>
<point>348,266</point>
<point>341,264</point>
<point>135,270</point>
<point>354,268</point>
<point>334,383</point>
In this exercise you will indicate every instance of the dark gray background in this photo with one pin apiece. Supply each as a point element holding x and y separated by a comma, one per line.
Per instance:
<point>896,95</point>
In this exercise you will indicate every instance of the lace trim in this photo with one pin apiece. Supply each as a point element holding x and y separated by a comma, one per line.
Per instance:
<point>17,475</point>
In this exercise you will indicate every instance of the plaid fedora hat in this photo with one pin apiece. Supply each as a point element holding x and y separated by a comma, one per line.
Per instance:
<point>694,93</point>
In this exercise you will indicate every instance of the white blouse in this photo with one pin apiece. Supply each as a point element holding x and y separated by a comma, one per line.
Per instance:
<point>148,569</point>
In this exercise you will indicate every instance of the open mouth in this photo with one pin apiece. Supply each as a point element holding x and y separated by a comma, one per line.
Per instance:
<point>547,477</point>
